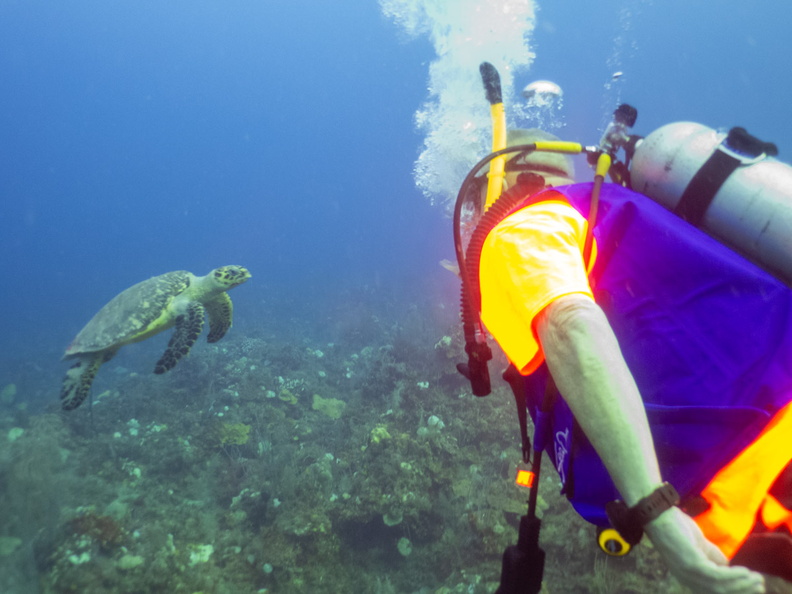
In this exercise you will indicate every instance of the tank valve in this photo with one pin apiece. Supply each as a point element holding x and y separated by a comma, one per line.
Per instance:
<point>616,136</point>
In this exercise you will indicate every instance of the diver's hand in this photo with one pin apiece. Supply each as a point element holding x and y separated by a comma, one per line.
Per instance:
<point>695,561</point>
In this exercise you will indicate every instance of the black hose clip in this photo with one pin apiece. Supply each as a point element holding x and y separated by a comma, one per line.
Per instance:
<point>476,369</point>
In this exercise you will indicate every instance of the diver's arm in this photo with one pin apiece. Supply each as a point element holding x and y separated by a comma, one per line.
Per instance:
<point>584,357</point>
<point>587,365</point>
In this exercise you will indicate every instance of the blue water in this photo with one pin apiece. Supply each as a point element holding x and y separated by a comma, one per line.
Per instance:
<point>142,137</point>
<point>138,138</point>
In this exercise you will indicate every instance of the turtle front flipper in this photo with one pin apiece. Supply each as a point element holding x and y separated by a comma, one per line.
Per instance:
<point>221,313</point>
<point>188,328</point>
<point>78,379</point>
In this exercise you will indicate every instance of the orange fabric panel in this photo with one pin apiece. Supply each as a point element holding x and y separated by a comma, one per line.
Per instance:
<point>529,260</point>
<point>775,515</point>
<point>738,492</point>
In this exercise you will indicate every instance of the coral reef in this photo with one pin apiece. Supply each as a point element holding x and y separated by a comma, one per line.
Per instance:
<point>264,465</point>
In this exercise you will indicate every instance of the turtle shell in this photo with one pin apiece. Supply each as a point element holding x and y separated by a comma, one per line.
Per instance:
<point>129,314</point>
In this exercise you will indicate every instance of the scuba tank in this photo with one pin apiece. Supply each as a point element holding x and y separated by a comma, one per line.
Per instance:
<point>727,184</point>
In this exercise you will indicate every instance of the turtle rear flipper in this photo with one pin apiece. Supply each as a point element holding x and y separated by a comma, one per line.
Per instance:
<point>221,313</point>
<point>188,328</point>
<point>78,380</point>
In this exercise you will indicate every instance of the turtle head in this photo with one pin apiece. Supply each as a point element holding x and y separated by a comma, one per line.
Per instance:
<point>228,277</point>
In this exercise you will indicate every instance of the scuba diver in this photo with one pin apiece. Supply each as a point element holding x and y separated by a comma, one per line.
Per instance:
<point>654,359</point>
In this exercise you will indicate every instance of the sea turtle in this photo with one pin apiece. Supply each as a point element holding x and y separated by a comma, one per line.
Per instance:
<point>174,299</point>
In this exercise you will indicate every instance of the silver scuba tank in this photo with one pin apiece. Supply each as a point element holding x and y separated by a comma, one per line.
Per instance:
<point>728,185</point>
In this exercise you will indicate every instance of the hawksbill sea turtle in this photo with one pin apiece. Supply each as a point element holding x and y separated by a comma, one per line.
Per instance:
<point>178,299</point>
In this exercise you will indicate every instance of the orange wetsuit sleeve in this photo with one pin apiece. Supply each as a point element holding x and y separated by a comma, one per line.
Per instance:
<point>529,260</point>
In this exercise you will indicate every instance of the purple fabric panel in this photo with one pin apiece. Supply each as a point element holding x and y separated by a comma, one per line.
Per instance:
<point>698,324</point>
<point>706,334</point>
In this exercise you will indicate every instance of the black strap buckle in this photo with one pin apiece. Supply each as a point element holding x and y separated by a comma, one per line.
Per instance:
<point>476,370</point>
<point>630,521</point>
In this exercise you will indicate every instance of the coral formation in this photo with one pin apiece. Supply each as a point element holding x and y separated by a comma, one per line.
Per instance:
<point>233,433</point>
<point>331,407</point>
<point>103,529</point>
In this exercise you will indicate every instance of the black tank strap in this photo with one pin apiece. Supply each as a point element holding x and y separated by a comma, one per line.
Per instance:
<point>517,384</point>
<point>705,184</point>
<point>708,180</point>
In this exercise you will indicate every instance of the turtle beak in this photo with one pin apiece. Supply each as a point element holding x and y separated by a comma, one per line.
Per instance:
<point>238,275</point>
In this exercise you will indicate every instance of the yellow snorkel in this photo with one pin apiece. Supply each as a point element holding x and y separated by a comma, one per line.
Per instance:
<point>497,166</point>
<point>492,88</point>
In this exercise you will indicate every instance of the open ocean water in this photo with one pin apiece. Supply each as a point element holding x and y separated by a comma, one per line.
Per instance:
<point>326,444</point>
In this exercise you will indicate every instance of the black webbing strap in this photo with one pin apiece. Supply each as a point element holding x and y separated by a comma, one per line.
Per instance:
<point>517,384</point>
<point>708,180</point>
<point>705,184</point>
